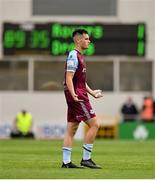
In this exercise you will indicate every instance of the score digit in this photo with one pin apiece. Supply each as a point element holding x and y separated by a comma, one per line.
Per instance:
<point>39,39</point>
<point>14,39</point>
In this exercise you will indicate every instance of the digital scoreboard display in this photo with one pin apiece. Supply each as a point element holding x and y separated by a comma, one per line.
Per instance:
<point>55,39</point>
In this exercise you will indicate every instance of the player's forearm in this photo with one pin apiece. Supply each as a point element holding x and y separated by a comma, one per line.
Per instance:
<point>70,86</point>
<point>89,90</point>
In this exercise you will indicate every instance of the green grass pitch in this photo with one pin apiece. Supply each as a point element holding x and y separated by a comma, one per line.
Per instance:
<point>28,159</point>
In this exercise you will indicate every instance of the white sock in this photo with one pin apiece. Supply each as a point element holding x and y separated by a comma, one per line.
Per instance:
<point>87,149</point>
<point>67,155</point>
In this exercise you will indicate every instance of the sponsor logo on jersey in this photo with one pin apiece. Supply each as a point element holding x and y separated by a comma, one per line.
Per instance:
<point>70,63</point>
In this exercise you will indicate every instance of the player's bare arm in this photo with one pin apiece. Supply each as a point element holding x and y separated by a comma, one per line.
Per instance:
<point>94,93</point>
<point>90,91</point>
<point>69,82</point>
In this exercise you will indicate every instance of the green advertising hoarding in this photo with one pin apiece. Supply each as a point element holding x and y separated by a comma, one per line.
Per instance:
<point>136,130</point>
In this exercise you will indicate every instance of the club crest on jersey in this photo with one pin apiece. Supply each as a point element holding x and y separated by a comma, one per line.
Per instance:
<point>92,111</point>
<point>84,70</point>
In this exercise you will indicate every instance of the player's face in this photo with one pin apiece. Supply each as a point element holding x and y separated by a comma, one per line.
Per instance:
<point>85,41</point>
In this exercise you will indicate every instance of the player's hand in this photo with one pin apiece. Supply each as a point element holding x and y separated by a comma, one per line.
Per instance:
<point>76,99</point>
<point>98,93</point>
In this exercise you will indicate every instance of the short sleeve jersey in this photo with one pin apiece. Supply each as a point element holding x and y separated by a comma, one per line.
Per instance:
<point>75,63</point>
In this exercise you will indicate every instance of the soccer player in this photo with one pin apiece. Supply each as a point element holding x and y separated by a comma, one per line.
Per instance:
<point>79,107</point>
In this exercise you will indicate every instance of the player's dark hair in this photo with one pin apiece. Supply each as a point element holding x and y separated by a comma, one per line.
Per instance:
<point>79,31</point>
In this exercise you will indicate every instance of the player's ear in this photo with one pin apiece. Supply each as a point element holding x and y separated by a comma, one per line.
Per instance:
<point>79,38</point>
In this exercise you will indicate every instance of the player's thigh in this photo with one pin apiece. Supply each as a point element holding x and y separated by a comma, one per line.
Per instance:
<point>93,122</point>
<point>72,127</point>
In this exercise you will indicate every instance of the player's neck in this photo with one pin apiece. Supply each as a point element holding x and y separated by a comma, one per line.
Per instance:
<point>79,49</point>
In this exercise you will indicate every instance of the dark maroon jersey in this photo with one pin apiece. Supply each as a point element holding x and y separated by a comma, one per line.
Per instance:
<point>75,63</point>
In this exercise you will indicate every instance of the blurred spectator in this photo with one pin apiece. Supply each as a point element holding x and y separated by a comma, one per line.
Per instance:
<point>129,110</point>
<point>147,111</point>
<point>154,110</point>
<point>22,125</point>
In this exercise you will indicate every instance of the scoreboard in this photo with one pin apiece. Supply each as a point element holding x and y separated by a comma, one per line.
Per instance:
<point>55,38</point>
